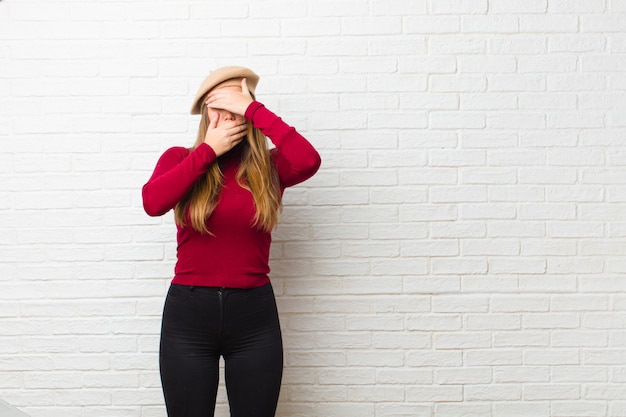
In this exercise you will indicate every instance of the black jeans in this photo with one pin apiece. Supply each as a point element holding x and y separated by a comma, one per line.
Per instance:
<point>200,324</point>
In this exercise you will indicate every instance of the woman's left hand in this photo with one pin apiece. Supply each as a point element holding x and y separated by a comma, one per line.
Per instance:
<point>231,100</point>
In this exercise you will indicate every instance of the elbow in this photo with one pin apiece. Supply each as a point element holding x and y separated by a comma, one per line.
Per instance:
<point>150,206</point>
<point>314,164</point>
<point>151,211</point>
<point>307,168</point>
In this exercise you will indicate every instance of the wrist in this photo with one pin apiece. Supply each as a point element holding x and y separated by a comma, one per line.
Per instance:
<point>251,109</point>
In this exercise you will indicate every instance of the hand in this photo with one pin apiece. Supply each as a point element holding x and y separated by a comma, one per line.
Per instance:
<point>225,137</point>
<point>231,100</point>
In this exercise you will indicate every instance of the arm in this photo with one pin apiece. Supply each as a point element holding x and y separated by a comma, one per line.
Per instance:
<point>295,158</point>
<point>175,173</point>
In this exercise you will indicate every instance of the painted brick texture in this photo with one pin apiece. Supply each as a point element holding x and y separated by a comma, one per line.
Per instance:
<point>460,253</point>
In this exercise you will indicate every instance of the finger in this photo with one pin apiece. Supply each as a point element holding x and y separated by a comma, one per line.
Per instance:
<point>239,134</point>
<point>214,102</point>
<point>239,128</point>
<point>244,86</point>
<point>213,118</point>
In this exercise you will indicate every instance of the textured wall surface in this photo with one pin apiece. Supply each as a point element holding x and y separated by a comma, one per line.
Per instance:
<point>460,253</point>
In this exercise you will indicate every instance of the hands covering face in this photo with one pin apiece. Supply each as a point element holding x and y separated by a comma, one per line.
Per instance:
<point>230,99</point>
<point>224,132</point>
<point>225,108</point>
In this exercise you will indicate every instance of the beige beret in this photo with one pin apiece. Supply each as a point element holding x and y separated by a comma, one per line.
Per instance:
<point>219,76</point>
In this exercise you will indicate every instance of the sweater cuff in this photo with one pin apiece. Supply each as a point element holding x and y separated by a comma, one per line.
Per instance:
<point>251,110</point>
<point>207,151</point>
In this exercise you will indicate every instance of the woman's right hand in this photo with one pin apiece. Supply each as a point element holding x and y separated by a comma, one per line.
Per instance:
<point>226,136</point>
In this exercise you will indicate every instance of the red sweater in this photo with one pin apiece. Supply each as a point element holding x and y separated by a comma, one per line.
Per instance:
<point>237,254</point>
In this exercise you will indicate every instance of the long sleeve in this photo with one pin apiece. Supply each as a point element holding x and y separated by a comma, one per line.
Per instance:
<point>295,158</point>
<point>175,173</point>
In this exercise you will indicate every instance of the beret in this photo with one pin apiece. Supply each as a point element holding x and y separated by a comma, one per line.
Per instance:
<point>218,77</point>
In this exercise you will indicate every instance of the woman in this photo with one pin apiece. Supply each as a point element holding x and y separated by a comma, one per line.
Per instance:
<point>226,194</point>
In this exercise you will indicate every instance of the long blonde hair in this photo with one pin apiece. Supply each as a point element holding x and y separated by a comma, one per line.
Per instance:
<point>256,173</point>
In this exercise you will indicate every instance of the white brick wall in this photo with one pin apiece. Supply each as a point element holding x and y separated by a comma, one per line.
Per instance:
<point>460,253</point>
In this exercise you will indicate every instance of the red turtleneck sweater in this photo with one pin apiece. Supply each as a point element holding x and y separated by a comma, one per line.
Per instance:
<point>237,254</point>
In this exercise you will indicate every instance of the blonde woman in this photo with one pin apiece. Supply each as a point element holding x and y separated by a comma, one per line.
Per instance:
<point>226,193</point>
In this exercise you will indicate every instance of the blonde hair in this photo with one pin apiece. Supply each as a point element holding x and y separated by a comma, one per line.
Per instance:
<point>256,173</point>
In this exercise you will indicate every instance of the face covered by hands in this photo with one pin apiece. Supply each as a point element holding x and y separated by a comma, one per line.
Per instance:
<point>234,99</point>
<point>226,107</point>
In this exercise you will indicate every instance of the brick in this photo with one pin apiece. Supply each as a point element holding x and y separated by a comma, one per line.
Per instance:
<point>455,304</point>
<point>580,373</point>
<point>493,392</point>
<point>431,24</point>
<point>402,120</point>
<point>522,339</point>
<point>483,247</point>
<point>402,340</point>
<point>511,6</point>
<point>342,47</point>
<point>577,6</point>
<point>548,24</point>
<point>552,321</point>
<point>430,284</point>
<point>580,266</point>
<point>491,284</point>
<point>519,304</point>
<point>404,376</point>
<point>602,24</point>
<point>578,408</point>
<point>371,25</point>
<point>487,140</point>
<point>378,358</point>
<point>359,101</point>
<point>492,357</point>
<point>506,193</point>
<point>517,121</point>
<point>488,176</point>
<point>430,248</point>
<point>578,339</point>
<point>369,177</point>
<point>524,409</point>
<point>553,211</point>
<point>548,101</point>
<point>518,265</point>
<point>552,357</point>
<point>577,43</point>
<point>459,6</point>
<point>424,176</point>
<point>467,194</point>
<point>455,120</point>
<point>517,45</point>
<point>516,229</point>
<point>464,340</point>
<point>508,374</point>
<point>417,101</point>
<point>43,12</point>
<point>552,247</point>
<point>339,8</point>
<point>432,322</point>
<point>490,24</point>
<point>584,82</point>
<point>493,321</point>
<point>554,283</point>
<point>457,83</point>
<point>435,393</point>
<point>460,230</point>
<point>486,211</point>
<point>375,285</point>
